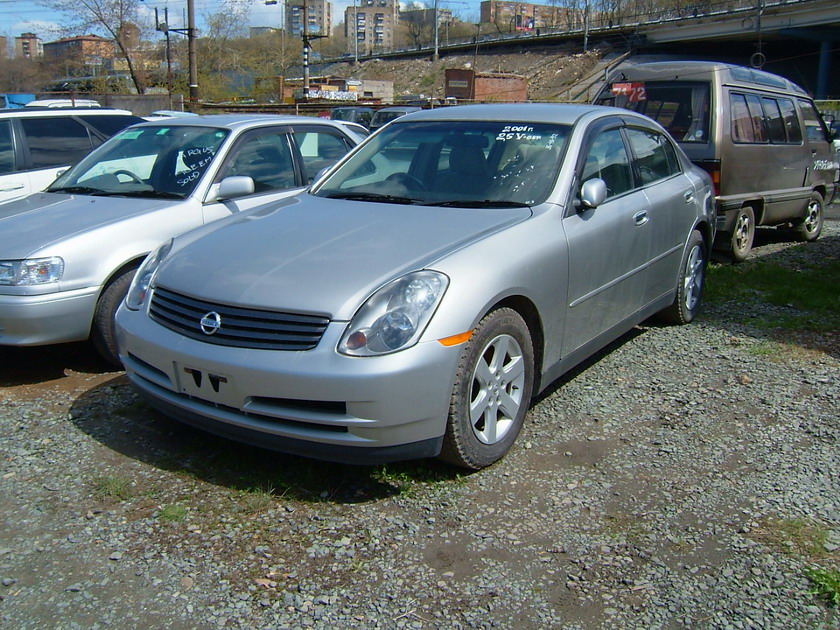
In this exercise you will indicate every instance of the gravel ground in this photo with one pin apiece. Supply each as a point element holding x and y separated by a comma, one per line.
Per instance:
<point>685,477</point>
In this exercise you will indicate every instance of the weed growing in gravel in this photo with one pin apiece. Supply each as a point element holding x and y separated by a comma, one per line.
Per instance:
<point>802,536</point>
<point>826,584</point>
<point>112,487</point>
<point>257,499</point>
<point>809,292</point>
<point>173,513</point>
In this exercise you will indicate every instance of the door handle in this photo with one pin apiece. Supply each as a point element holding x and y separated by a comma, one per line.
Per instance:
<point>688,196</point>
<point>11,187</point>
<point>640,218</point>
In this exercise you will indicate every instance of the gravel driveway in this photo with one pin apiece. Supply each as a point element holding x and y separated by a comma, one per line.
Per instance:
<point>685,477</point>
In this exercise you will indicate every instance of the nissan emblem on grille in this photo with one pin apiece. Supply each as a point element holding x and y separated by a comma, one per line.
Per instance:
<point>211,323</point>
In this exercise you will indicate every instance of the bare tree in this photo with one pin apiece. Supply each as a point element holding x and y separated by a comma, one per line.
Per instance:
<point>110,16</point>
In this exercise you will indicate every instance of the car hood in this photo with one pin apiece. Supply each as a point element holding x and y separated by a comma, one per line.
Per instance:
<point>38,220</point>
<point>320,256</point>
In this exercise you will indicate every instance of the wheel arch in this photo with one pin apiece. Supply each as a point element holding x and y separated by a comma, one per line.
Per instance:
<point>134,263</point>
<point>530,314</point>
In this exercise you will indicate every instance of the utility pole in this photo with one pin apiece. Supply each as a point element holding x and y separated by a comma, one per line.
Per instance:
<point>437,34</point>
<point>192,56</point>
<point>190,33</point>
<point>305,52</point>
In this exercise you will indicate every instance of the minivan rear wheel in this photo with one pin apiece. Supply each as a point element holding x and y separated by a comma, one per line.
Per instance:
<point>811,225</point>
<point>743,233</point>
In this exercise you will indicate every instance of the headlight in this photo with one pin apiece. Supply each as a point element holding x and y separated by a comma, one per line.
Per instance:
<point>30,272</point>
<point>139,289</point>
<point>395,316</point>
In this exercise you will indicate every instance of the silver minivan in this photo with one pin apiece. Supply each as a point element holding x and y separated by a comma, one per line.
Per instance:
<point>758,135</point>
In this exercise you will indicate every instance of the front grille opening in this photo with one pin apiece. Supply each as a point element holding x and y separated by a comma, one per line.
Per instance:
<point>237,326</point>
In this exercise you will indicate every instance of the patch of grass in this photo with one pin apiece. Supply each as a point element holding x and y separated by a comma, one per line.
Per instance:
<point>801,536</point>
<point>173,513</point>
<point>256,500</point>
<point>113,487</point>
<point>826,584</point>
<point>810,291</point>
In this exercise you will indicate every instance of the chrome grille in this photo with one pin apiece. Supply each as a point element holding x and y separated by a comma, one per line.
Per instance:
<point>240,327</point>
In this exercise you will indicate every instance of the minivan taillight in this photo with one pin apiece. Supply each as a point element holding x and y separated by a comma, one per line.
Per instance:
<point>712,167</point>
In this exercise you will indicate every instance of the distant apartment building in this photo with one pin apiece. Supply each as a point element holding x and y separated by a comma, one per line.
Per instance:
<point>523,16</point>
<point>318,17</point>
<point>90,49</point>
<point>426,17</point>
<point>370,25</point>
<point>27,46</point>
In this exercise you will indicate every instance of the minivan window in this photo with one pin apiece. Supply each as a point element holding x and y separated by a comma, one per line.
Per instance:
<point>773,119</point>
<point>682,107</point>
<point>747,119</point>
<point>794,131</point>
<point>814,126</point>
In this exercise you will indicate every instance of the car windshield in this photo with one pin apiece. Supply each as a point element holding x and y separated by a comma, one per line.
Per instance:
<point>454,163</point>
<point>155,161</point>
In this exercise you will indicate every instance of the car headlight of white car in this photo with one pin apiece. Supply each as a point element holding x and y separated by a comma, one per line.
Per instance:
<point>31,272</point>
<point>395,316</point>
<point>139,289</point>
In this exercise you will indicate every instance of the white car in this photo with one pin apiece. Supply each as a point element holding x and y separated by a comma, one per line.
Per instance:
<point>67,255</point>
<point>39,142</point>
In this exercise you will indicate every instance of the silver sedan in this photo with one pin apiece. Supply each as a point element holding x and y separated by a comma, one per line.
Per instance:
<point>67,255</point>
<point>412,303</point>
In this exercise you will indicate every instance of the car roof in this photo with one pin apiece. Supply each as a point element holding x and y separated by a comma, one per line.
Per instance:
<point>237,121</point>
<point>517,113</point>
<point>37,112</point>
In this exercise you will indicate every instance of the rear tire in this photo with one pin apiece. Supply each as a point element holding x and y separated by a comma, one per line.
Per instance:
<point>743,234</point>
<point>811,226</point>
<point>492,391</point>
<point>103,334</point>
<point>690,282</point>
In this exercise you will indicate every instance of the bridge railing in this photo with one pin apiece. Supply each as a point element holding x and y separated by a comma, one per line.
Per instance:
<point>623,15</point>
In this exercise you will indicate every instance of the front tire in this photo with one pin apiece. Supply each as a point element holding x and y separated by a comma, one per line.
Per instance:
<point>104,334</point>
<point>492,391</point>
<point>689,283</point>
<point>811,226</point>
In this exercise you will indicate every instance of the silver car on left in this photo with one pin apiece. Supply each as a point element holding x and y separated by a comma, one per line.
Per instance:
<point>67,255</point>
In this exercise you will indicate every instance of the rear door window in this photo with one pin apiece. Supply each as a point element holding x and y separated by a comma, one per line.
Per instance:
<point>56,141</point>
<point>320,148</point>
<point>7,148</point>
<point>655,157</point>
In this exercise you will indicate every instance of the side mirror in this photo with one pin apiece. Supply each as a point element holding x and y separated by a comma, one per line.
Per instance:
<point>232,187</point>
<point>593,193</point>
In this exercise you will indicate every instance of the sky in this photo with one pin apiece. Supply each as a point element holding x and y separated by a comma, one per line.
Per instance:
<point>23,16</point>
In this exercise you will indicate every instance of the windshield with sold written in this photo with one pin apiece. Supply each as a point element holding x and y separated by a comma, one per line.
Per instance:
<point>165,162</point>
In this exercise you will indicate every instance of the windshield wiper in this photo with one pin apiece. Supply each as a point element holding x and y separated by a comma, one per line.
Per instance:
<point>475,203</point>
<point>81,190</point>
<point>368,196</point>
<point>159,194</point>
